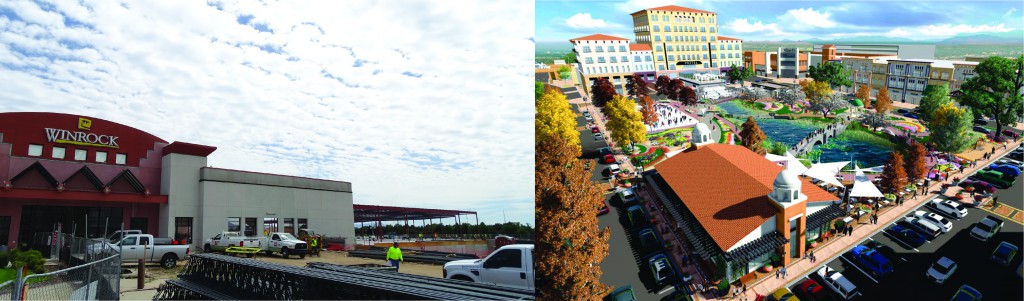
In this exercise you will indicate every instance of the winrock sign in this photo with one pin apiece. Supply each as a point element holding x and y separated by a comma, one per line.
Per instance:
<point>81,138</point>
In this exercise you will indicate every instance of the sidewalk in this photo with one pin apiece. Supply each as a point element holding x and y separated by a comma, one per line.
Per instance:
<point>830,249</point>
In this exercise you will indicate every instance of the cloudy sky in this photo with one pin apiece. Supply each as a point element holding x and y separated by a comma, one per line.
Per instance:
<point>778,20</point>
<point>417,103</point>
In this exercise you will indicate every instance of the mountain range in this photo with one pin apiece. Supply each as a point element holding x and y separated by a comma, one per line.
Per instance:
<point>1009,37</point>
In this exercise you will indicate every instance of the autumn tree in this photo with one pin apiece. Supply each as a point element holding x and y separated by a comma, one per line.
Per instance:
<point>570,244</point>
<point>915,167</point>
<point>935,96</point>
<point>830,103</point>
<point>752,136</point>
<point>624,121</point>
<point>662,85</point>
<point>738,74</point>
<point>791,96</point>
<point>637,86</point>
<point>815,91</point>
<point>688,96</point>
<point>864,94</point>
<point>882,102</point>
<point>949,128</point>
<point>648,111</point>
<point>894,177</point>
<point>603,90</point>
<point>675,89</point>
<point>554,116</point>
<point>995,91</point>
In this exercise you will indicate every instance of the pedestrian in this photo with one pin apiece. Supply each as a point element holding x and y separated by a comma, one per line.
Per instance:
<point>777,271</point>
<point>995,201</point>
<point>744,287</point>
<point>783,272</point>
<point>851,230</point>
<point>394,256</point>
<point>736,291</point>
<point>813,259</point>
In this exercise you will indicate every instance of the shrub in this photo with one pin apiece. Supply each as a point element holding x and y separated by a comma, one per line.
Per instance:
<point>839,224</point>
<point>33,259</point>
<point>723,286</point>
<point>776,260</point>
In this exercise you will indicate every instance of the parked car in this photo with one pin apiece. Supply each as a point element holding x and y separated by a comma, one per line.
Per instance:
<point>604,209</point>
<point>935,220</point>
<point>948,207</point>
<point>594,129</point>
<point>598,136</point>
<point>907,236</point>
<point>910,115</point>
<point>228,239</point>
<point>510,266</point>
<point>144,246</point>
<point>811,290</point>
<point>902,111</point>
<point>986,228</point>
<point>782,294</point>
<point>995,178</point>
<point>628,196</point>
<point>649,241</point>
<point>980,122</point>
<point>1009,171</point>
<point>1011,134</point>
<point>872,261</point>
<point>286,244</point>
<point>1004,253</point>
<point>608,159</point>
<point>930,231</point>
<point>614,169</point>
<point>982,130</point>
<point>941,270</point>
<point>662,270</point>
<point>604,151</point>
<point>979,185</point>
<point>967,293</point>
<point>838,283</point>
<point>886,250</point>
<point>636,215</point>
<point>623,293</point>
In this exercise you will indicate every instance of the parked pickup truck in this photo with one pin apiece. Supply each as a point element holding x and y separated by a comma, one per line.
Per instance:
<point>872,261</point>
<point>225,240</point>
<point>284,243</point>
<point>144,246</point>
<point>511,266</point>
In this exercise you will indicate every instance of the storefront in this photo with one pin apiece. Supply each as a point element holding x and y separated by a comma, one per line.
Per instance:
<point>89,177</point>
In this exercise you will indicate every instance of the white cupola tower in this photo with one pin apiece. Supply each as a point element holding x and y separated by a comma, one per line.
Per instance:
<point>701,135</point>
<point>786,189</point>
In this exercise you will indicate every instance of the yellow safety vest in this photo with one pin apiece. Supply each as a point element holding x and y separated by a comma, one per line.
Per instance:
<point>313,243</point>
<point>394,253</point>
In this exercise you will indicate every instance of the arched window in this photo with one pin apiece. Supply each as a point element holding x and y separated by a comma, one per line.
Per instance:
<point>795,194</point>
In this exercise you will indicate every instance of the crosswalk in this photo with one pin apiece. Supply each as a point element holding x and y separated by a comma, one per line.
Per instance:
<point>1011,213</point>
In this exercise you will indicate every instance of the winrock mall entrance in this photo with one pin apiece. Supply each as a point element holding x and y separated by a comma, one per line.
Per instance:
<point>35,219</point>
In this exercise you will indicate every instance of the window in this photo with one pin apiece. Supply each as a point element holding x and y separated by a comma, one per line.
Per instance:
<point>289,225</point>
<point>120,159</point>
<point>713,47</point>
<point>622,48</point>
<point>703,38</point>
<point>303,224</point>
<point>657,48</point>
<point>657,28</point>
<point>269,225</point>
<point>590,60</point>
<point>131,241</point>
<point>625,59</point>
<point>636,58</point>
<point>250,226</point>
<point>235,224</point>
<point>661,58</point>
<point>712,29</point>
<point>80,154</point>
<point>657,38</point>
<point>664,18</point>
<point>600,60</point>
<point>671,57</point>
<point>35,150</point>
<point>654,18</point>
<point>508,258</point>
<point>703,29</point>
<point>611,48</point>
<point>613,60</point>
<point>705,57</point>
<point>661,67</point>
<point>5,228</point>
<point>58,152</point>
<point>586,49</point>
<point>714,38</point>
<point>599,49</point>
<point>703,47</point>
<point>714,56</point>
<point>101,157</point>
<point>647,58</point>
<point>183,229</point>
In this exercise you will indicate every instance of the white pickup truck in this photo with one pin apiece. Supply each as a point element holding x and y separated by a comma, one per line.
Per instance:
<point>286,244</point>
<point>136,246</point>
<point>511,266</point>
<point>226,240</point>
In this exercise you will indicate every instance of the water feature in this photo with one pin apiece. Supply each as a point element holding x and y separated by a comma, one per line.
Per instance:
<point>792,131</point>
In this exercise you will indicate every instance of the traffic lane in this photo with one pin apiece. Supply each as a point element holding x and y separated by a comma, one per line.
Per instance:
<point>621,266</point>
<point>1014,195</point>
<point>589,147</point>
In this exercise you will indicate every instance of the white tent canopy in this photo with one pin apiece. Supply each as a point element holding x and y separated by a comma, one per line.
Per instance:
<point>826,172</point>
<point>792,163</point>
<point>862,187</point>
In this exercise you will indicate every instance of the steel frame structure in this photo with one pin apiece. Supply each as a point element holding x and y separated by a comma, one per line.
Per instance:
<point>376,215</point>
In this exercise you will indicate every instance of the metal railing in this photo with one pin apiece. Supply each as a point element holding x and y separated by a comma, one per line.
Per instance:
<point>94,274</point>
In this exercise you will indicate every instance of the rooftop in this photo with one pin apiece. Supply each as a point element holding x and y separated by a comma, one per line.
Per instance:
<point>726,188</point>
<point>639,47</point>
<point>675,8</point>
<point>725,38</point>
<point>936,63</point>
<point>598,37</point>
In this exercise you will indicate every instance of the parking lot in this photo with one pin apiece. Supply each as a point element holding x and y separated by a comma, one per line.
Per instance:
<point>973,257</point>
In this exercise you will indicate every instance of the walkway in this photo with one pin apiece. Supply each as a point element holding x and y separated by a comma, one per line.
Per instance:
<point>830,250</point>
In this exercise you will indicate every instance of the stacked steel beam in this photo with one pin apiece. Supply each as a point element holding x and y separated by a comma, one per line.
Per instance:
<point>416,256</point>
<point>219,277</point>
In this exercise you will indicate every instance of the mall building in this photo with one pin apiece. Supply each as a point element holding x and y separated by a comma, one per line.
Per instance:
<point>89,176</point>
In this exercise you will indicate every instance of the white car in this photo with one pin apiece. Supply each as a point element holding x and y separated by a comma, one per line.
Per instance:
<point>628,196</point>
<point>948,207</point>
<point>941,270</point>
<point>598,136</point>
<point>614,169</point>
<point>935,219</point>
<point>928,229</point>
<point>838,283</point>
<point>986,228</point>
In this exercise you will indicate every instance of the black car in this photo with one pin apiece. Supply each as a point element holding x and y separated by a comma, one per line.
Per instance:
<point>604,151</point>
<point>980,122</point>
<point>903,111</point>
<point>982,130</point>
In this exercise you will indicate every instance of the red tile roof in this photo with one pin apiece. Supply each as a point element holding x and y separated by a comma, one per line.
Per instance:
<point>598,37</point>
<point>675,8</point>
<point>728,38</point>
<point>639,47</point>
<point>726,188</point>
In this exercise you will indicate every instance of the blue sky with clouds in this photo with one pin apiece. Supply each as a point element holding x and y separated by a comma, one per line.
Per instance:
<point>777,20</point>
<point>417,103</point>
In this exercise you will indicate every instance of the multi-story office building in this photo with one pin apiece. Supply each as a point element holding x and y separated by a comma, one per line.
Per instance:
<point>604,56</point>
<point>832,52</point>
<point>643,62</point>
<point>684,40</point>
<point>906,79</point>
<point>730,51</point>
<point>765,63</point>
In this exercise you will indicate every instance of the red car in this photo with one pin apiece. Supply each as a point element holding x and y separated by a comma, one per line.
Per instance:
<point>608,159</point>
<point>811,290</point>
<point>603,210</point>
<point>594,129</point>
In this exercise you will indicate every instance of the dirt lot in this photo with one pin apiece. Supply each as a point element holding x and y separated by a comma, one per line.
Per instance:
<point>155,272</point>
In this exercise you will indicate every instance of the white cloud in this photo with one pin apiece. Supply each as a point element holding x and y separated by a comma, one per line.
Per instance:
<point>632,6</point>
<point>585,21</point>
<point>321,95</point>
<point>807,18</point>
<point>1009,12</point>
<point>898,32</point>
<point>944,30</point>
<point>758,28</point>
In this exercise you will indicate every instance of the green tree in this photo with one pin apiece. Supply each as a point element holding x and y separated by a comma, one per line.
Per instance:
<point>738,74</point>
<point>874,120</point>
<point>935,96</point>
<point>996,90</point>
<point>570,244</point>
<point>832,73</point>
<point>538,89</point>
<point>624,122</point>
<point>570,58</point>
<point>563,72</point>
<point>950,127</point>
<point>554,116</point>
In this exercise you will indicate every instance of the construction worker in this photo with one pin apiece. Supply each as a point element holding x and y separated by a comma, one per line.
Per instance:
<point>394,256</point>
<point>314,245</point>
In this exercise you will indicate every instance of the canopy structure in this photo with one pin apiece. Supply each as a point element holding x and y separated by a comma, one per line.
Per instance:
<point>376,215</point>
<point>826,172</point>
<point>792,163</point>
<point>862,187</point>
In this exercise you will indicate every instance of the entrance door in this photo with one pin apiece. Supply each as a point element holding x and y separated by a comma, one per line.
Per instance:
<point>140,223</point>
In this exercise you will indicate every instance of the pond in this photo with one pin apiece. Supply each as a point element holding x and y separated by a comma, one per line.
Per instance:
<point>792,131</point>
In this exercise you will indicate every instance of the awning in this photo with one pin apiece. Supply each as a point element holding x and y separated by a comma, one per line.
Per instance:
<point>826,172</point>
<point>823,216</point>
<point>862,187</point>
<point>756,248</point>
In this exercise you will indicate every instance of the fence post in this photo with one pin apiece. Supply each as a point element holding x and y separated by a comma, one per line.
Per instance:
<point>18,283</point>
<point>88,280</point>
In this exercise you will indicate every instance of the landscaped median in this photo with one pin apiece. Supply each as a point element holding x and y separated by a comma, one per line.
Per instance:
<point>652,156</point>
<point>726,133</point>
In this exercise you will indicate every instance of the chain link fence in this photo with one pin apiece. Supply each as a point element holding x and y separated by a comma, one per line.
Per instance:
<point>94,273</point>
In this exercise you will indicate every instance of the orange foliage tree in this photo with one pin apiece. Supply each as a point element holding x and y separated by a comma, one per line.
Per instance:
<point>894,177</point>
<point>882,101</point>
<point>864,94</point>
<point>570,245</point>
<point>752,136</point>
<point>650,115</point>
<point>915,161</point>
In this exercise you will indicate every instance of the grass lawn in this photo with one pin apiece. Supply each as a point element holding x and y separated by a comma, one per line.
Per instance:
<point>7,274</point>
<point>784,110</point>
<point>678,136</point>
<point>840,111</point>
<point>656,156</point>
<point>761,105</point>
